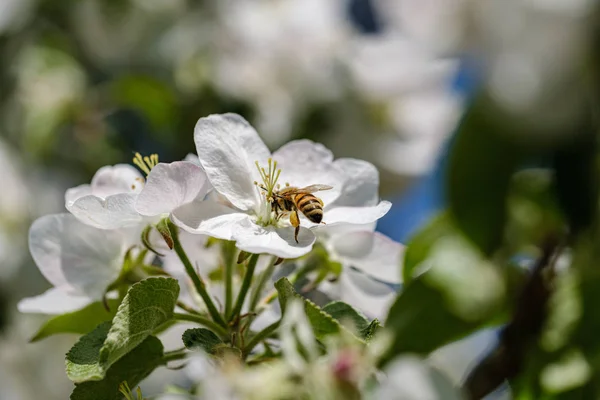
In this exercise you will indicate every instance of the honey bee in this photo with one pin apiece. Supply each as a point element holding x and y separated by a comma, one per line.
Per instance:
<point>291,199</point>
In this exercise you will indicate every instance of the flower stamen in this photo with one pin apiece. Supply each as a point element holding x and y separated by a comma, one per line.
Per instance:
<point>145,163</point>
<point>270,176</point>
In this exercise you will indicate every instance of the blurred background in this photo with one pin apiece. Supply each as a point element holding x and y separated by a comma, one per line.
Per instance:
<point>86,83</point>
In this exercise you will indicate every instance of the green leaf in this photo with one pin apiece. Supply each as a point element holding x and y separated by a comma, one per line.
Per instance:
<point>80,321</point>
<point>147,306</point>
<point>322,323</point>
<point>481,163</point>
<point>82,361</point>
<point>133,367</point>
<point>201,339</point>
<point>421,243</point>
<point>459,293</point>
<point>352,319</point>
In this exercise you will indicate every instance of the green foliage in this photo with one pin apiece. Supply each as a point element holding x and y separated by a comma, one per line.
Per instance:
<point>483,159</point>
<point>80,321</point>
<point>421,243</point>
<point>133,367</point>
<point>201,339</point>
<point>148,305</point>
<point>324,323</point>
<point>352,319</point>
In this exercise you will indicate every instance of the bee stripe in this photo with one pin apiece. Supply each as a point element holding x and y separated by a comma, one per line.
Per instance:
<point>306,199</point>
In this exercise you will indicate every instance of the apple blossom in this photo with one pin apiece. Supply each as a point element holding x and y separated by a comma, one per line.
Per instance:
<point>80,261</point>
<point>234,159</point>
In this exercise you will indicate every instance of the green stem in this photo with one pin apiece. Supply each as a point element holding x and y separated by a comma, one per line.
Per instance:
<point>198,283</point>
<point>174,355</point>
<point>229,259</point>
<point>260,336</point>
<point>262,281</point>
<point>202,321</point>
<point>245,286</point>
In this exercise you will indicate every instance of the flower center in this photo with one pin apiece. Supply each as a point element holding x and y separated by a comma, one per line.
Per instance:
<point>270,176</point>
<point>269,185</point>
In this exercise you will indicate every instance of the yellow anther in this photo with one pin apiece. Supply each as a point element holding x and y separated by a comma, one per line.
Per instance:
<point>145,163</point>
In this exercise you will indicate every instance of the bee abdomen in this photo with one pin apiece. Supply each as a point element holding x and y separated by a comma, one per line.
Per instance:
<point>310,206</point>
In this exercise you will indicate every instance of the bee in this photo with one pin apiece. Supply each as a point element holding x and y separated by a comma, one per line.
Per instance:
<point>291,199</point>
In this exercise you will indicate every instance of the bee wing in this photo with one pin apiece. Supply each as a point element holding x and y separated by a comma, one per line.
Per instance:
<point>313,188</point>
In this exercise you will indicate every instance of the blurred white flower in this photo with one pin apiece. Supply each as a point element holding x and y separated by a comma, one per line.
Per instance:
<point>280,55</point>
<point>80,261</point>
<point>411,378</point>
<point>413,85</point>
<point>234,158</point>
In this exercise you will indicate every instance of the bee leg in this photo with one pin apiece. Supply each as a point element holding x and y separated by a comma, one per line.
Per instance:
<point>295,221</point>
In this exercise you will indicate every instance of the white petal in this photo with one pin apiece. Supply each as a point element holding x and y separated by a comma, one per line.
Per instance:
<point>75,193</point>
<point>169,186</point>
<point>279,242</point>
<point>362,183</point>
<point>305,163</point>
<point>368,295</point>
<point>120,178</point>
<point>458,358</point>
<point>410,378</point>
<point>355,215</point>
<point>53,301</point>
<point>75,257</point>
<point>114,212</point>
<point>373,253</point>
<point>208,218</point>
<point>228,147</point>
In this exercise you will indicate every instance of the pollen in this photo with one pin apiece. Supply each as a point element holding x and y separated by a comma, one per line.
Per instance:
<point>145,163</point>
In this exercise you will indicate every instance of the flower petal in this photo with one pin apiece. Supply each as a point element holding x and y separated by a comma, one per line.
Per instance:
<point>362,183</point>
<point>72,194</point>
<point>120,178</point>
<point>368,295</point>
<point>279,242</point>
<point>373,253</point>
<point>411,378</point>
<point>305,163</point>
<point>228,147</point>
<point>114,212</point>
<point>53,301</point>
<point>169,186</point>
<point>355,215</point>
<point>209,218</point>
<point>75,257</point>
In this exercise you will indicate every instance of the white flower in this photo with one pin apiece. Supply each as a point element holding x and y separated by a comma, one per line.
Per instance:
<point>231,153</point>
<point>80,261</point>
<point>119,196</point>
<point>371,261</point>
<point>411,378</point>
<point>109,201</point>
